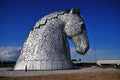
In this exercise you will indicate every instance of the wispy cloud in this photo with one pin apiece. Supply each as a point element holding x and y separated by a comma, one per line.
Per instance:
<point>9,53</point>
<point>12,53</point>
<point>89,56</point>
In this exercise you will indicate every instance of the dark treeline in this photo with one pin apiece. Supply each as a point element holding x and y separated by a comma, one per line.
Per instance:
<point>7,63</point>
<point>84,64</point>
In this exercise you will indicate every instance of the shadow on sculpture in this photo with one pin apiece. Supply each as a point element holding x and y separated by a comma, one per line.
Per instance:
<point>47,48</point>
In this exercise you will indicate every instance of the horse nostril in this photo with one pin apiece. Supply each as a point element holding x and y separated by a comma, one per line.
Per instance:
<point>79,50</point>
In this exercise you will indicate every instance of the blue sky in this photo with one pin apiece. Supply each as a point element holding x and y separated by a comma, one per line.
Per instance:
<point>102,18</point>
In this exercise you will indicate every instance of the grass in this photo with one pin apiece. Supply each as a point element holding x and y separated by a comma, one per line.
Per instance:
<point>109,75</point>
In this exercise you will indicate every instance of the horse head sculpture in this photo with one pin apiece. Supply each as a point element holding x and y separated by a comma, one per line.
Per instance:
<point>47,48</point>
<point>75,29</point>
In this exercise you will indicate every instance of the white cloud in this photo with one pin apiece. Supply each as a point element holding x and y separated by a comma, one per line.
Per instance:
<point>89,56</point>
<point>9,53</point>
<point>12,53</point>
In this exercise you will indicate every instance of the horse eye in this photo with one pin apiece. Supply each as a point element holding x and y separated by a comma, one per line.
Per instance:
<point>81,22</point>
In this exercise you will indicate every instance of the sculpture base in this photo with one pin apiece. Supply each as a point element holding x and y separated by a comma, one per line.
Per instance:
<point>43,65</point>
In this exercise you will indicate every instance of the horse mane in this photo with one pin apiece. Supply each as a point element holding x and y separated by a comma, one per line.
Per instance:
<point>54,15</point>
<point>49,17</point>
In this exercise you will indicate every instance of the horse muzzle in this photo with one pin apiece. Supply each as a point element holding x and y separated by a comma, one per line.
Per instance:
<point>82,50</point>
<point>81,43</point>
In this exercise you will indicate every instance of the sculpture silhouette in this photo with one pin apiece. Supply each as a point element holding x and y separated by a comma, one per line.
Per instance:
<point>46,47</point>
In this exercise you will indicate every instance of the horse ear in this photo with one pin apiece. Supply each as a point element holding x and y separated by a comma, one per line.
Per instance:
<point>75,11</point>
<point>71,11</point>
<point>78,11</point>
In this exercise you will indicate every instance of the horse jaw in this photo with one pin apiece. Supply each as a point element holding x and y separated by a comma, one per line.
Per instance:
<point>81,43</point>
